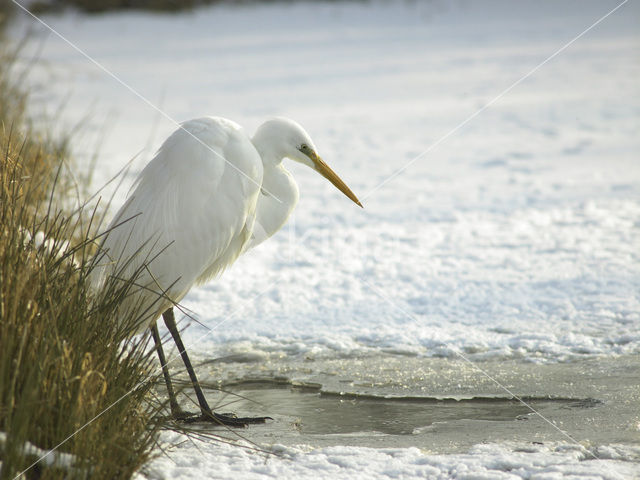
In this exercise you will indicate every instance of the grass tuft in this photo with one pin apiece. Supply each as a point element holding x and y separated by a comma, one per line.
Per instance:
<point>71,377</point>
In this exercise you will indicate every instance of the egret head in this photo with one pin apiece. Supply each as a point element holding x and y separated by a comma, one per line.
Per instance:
<point>284,138</point>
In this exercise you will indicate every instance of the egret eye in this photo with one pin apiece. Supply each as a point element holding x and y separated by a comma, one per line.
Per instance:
<point>304,147</point>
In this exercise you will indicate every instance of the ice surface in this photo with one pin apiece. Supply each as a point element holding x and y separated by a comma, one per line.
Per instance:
<point>515,237</point>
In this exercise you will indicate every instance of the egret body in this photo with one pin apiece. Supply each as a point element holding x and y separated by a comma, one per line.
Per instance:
<point>210,193</point>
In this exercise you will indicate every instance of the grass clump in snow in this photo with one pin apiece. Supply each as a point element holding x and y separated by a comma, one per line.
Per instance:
<point>70,377</point>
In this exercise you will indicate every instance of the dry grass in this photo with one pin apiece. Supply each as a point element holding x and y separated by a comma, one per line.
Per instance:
<point>68,372</point>
<point>98,6</point>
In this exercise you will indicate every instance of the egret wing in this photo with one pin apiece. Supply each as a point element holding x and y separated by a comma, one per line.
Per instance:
<point>190,213</point>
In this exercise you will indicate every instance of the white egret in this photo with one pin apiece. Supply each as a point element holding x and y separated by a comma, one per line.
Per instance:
<point>210,193</point>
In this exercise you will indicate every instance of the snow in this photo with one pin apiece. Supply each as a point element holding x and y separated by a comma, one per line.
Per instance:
<point>42,457</point>
<point>483,462</point>
<point>514,235</point>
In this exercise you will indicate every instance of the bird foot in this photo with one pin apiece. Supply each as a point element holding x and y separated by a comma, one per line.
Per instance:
<point>183,416</point>
<point>228,419</point>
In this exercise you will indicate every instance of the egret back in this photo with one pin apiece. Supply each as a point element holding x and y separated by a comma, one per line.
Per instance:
<point>188,217</point>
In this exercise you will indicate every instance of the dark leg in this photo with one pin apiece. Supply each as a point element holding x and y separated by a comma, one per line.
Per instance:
<point>207,414</point>
<point>170,322</point>
<point>176,411</point>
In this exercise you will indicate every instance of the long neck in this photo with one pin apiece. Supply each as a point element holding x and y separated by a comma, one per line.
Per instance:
<point>270,150</point>
<point>277,199</point>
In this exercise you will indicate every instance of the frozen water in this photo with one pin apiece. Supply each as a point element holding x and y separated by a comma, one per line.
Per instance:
<point>514,236</point>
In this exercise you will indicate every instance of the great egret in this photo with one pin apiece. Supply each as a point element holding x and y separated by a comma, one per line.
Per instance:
<point>210,193</point>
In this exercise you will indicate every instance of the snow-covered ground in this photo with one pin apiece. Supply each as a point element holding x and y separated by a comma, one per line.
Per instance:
<point>483,462</point>
<point>515,235</point>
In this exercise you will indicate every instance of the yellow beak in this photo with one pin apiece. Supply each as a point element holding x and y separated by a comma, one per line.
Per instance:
<point>330,175</point>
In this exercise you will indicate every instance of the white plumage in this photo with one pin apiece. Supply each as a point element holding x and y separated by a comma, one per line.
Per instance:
<point>210,193</point>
